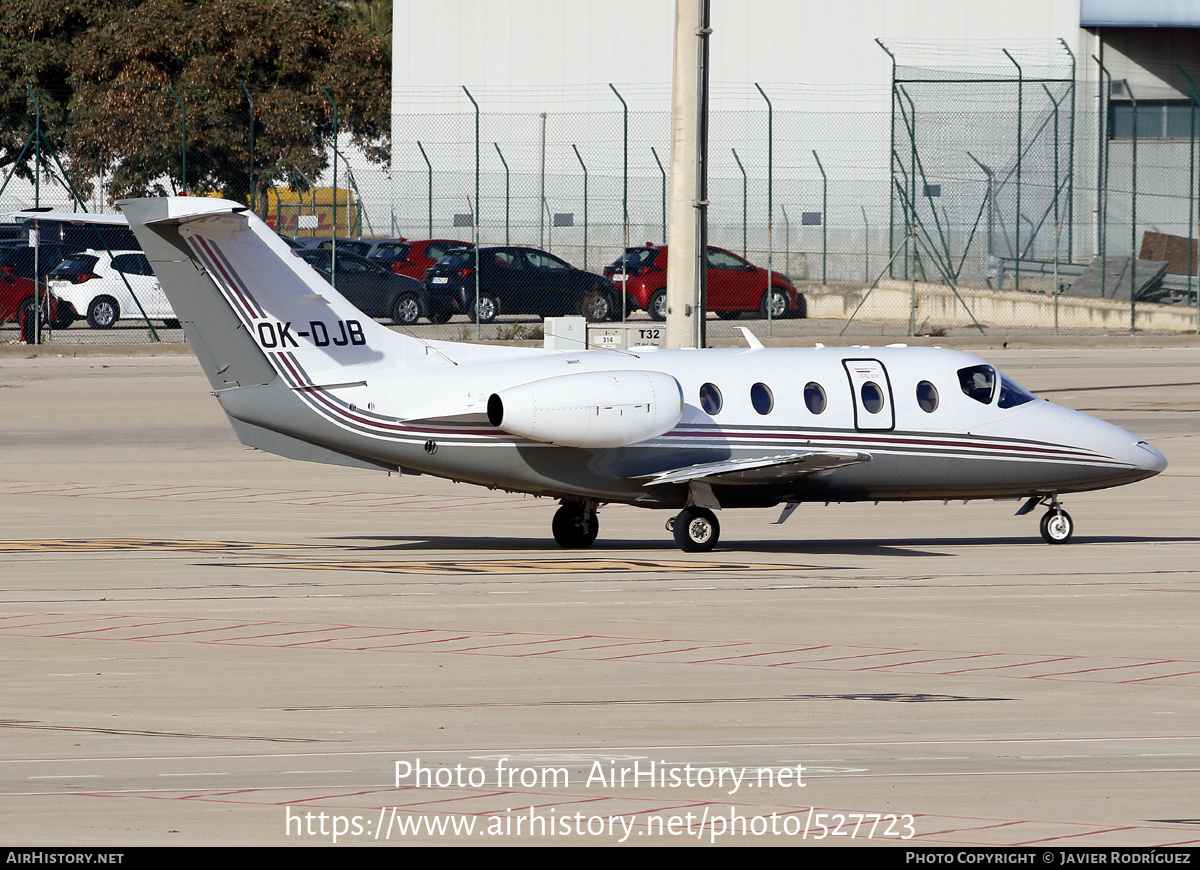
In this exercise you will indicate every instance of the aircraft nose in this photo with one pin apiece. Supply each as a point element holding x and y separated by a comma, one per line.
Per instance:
<point>1148,458</point>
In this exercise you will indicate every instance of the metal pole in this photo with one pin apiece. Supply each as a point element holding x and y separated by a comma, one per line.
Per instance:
<point>37,237</point>
<point>787,240</point>
<point>1056,211</point>
<point>744,197</point>
<point>182,141</point>
<point>585,207</point>
<point>1071,164</point>
<point>252,188</point>
<point>333,243</point>
<point>1133,252</point>
<point>542,192</point>
<point>770,199</point>
<point>664,194</point>
<point>1191,184</point>
<point>506,195</point>
<point>891,165</point>
<point>475,209</point>
<point>624,200</point>
<point>1020,150</point>
<point>824,219</point>
<point>1105,108</point>
<point>429,169</point>
<point>866,246</point>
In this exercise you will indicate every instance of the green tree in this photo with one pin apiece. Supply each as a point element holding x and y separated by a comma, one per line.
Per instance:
<point>110,82</point>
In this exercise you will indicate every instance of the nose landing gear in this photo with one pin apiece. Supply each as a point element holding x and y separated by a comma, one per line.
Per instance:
<point>1056,525</point>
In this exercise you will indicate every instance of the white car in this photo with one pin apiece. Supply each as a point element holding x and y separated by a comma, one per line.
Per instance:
<point>102,287</point>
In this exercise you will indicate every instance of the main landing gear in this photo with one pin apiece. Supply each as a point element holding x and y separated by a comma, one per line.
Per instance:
<point>696,529</point>
<point>1056,525</point>
<point>575,525</point>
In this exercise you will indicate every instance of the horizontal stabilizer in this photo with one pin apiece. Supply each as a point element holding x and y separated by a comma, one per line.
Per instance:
<point>761,469</point>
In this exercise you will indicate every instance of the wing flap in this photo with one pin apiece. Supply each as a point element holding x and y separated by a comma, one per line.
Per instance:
<point>761,469</point>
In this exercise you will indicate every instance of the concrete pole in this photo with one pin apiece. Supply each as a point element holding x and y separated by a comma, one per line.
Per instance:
<point>687,211</point>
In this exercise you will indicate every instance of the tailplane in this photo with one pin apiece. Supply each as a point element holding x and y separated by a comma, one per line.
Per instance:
<point>251,308</point>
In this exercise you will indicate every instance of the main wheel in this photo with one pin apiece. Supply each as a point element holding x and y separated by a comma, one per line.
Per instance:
<point>775,302</point>
<point>657,306</point>
<point>574,527</point>
<point>730,315</point>
<point>1057,526</point>
<point>596,306</point>
<point>488,308</point>
<point>696,530</point>
<point>103,312</point>
<point>407,310</point>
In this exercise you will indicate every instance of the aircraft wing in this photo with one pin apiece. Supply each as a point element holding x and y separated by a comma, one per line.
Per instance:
<point>761,469</point>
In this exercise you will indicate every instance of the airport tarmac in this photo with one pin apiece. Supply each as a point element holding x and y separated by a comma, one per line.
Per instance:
<point>207,645</point>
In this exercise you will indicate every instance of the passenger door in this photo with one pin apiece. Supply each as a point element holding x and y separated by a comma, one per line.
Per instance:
<point>871,392</point>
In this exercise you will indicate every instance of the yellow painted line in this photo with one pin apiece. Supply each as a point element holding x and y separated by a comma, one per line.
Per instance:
<point>540,566</point>
<point>100,545</point>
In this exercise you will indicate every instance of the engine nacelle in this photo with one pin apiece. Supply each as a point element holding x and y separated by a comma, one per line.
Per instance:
<point>590,409</point>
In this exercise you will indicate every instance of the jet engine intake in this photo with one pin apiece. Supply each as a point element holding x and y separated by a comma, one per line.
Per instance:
<point>590,409</point>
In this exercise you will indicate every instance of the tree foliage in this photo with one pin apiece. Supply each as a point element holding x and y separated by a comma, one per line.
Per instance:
<point>112,79</point>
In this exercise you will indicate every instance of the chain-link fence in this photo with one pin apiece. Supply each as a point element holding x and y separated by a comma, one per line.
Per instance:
<point>1016,204</point>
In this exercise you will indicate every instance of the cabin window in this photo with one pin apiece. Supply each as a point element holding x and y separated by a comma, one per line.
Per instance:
<point>978,383</point>
<point>710,399</point>
<point>1012,393</point>
<point>872,397</point>
<point>761,398</point>
<point>927,397</point>
<point>814,397</point>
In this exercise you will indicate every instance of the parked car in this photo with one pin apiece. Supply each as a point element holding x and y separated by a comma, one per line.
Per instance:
<point>370,287</point>
<point>17,286</point>
<point>106,287</point>
<point>516,280</point>
<point>734,285</point>
<point>414,259</point>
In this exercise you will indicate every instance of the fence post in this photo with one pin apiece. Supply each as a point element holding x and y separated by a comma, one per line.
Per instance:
<point>664,193</point>
<point>1191,187</point>
<point>475,208</point>
<point>506,193</point>
<point>1071,163</point>
<point>624,199</point>
<point>824,219</point>
<point>429,170</point>
<point>251,102</point>
<point>770,199</point>
<point>333,242</point>
<point>1105,110</point>
<point>1133,252</point>
<point>744,198</point>
<point>1020,155</point>
<point>585,207</point>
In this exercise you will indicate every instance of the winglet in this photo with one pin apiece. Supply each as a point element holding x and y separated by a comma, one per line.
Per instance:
<point>753,342</point>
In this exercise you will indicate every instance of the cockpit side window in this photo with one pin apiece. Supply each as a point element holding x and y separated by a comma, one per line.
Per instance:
<point>1012,393</point>
<point>978,383</point>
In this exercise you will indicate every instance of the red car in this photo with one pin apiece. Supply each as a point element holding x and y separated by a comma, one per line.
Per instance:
<point>414,259</point>
<point>17,287</point>
<point>734,285</point>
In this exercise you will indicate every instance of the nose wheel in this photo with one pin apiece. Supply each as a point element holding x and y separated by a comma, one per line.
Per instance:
<point>696,529</point>
<point>1057,526</point>
<point>575,525</point>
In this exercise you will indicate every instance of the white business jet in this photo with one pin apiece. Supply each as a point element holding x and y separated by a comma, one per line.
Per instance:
<point>303,374</point>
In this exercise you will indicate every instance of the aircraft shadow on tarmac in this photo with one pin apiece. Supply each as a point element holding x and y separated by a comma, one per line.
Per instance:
<point>874,547</point>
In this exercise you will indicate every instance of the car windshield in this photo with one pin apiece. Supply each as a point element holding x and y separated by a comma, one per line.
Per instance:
<point>635,257</point>
<point>457,259</point>
<point>80,264</point>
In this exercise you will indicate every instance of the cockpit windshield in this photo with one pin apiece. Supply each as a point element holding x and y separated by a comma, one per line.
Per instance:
<point>1012,393</point>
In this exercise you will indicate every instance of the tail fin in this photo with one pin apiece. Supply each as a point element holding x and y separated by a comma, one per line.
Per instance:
<point>251,308</point>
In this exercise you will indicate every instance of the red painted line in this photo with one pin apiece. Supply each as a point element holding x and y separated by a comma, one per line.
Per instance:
<point>1014,665</point>
<point>1108,668</point>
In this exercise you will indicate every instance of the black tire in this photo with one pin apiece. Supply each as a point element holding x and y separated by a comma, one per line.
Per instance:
<point>407,310</point>
<point>440,316</point>
<point>596,306</point>
<point>729,315</point>
<point>488,308</point>
<point>1057,527</point>
<point>171,323</point>
<point>696,530</point>
<point>573,530</point>
<point>26,309</point>
<point>66,316</point>
<point>103,312</point>
<point>657,306</point>
<point>801,310</point>
<point>780,304</point>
